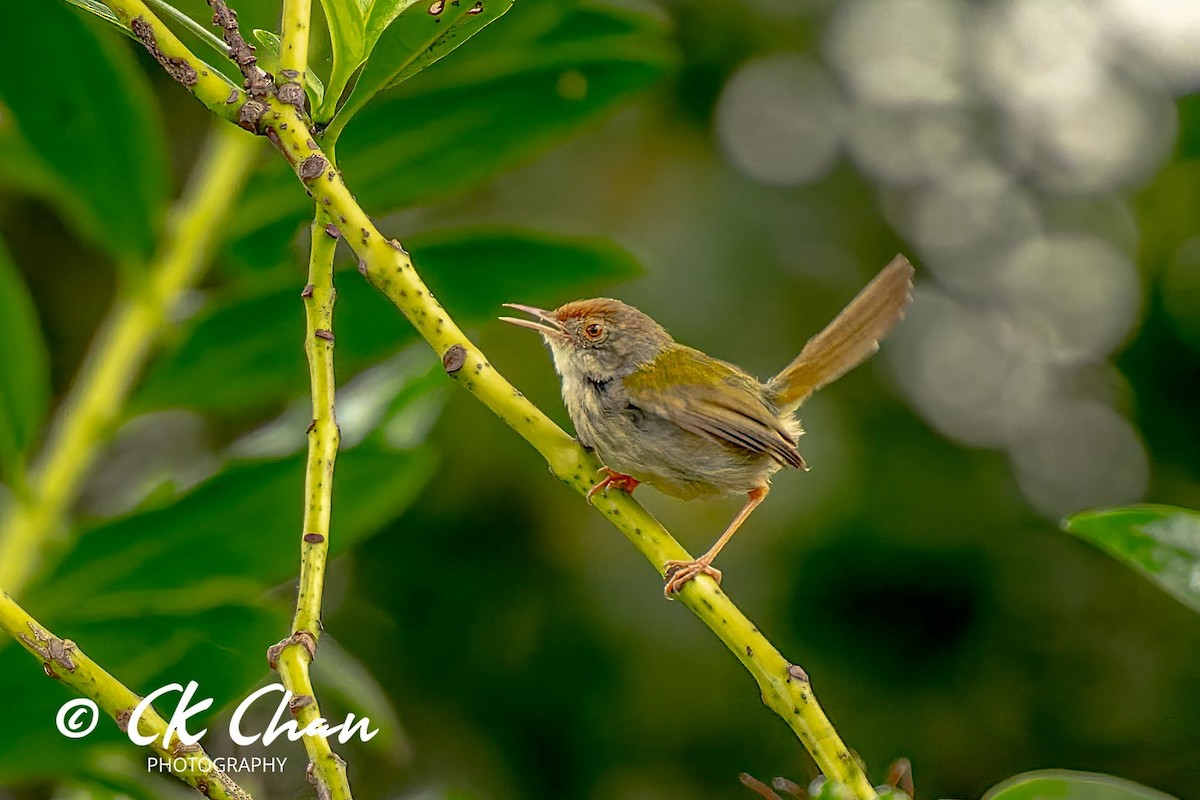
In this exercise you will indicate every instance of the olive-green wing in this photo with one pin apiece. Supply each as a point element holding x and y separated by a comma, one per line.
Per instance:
<point>712,399</point>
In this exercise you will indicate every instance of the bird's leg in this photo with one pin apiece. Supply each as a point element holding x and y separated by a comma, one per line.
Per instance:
<point>626,483</point>
<point>680,572</point>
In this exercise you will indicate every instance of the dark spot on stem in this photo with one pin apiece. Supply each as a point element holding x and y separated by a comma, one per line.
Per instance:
<point>454,358</point>
<point>797,672</point>
<point>331,231</point>
<point>307,291</point>
<point>321,333</point>
<point>313,538</point>
<point>311,168</point>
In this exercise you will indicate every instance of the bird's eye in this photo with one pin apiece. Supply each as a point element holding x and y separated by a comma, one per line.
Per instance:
<point>593,331</point>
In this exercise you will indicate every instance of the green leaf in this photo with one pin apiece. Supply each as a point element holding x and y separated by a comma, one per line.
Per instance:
<point>103,12</point>
<point>1061,784</point>
<point>89,116</point>
<point>411,36</point>
<point>247,350</point>
<point>178,593</point>
<point>25,379</point>
<point>348,35</point>
<point>1161,542</point>
<point>495,104</point>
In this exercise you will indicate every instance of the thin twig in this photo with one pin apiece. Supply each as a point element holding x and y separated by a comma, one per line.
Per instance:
<point>784,686</point>
<point>63,660</point>
<point>292,656</point>
<point>121,347</point>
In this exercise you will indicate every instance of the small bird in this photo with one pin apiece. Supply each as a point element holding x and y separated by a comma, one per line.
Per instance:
<point>661,413</point>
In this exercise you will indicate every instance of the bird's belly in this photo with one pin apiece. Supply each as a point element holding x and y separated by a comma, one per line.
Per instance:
<point>675,461</point>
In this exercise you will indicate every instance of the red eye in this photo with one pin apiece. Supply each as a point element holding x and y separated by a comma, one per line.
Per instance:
<point>593,330</point>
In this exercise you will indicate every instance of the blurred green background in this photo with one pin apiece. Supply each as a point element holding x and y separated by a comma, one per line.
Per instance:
<point>738,170</point>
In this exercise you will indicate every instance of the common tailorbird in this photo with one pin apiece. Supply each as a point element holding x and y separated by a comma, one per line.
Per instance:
<point>661,413</point>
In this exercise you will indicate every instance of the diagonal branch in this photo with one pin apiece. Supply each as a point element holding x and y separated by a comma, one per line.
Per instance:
<point>63,660</point>
<point>784,686</point>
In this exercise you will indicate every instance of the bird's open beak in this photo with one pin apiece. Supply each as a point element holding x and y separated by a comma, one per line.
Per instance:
<point>545,323</point>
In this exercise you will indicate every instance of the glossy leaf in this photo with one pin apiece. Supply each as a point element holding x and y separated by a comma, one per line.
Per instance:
<point>25,379</point>
<point>493,105</point>
<point>89,117</point>
<point>1161,542</point>
<point>411,36</point>
<point>348,35</point>
<point>248,350</point>
<point>1055,784</point>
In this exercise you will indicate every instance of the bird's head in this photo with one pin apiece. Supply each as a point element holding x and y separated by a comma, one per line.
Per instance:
<point>598,338</point>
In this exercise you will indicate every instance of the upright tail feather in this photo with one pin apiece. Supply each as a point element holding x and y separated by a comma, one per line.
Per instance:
<point>850,339</point>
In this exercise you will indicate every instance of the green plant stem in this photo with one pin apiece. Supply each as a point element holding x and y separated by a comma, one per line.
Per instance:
<point>292,656</point>
<point>61,659</point>
<point>210,86</point>
<point>784,687</point>
<point>293,55</point>
<point>121,347</point>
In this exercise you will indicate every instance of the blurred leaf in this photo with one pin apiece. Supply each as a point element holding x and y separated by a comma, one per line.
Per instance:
<point>348,35</point>
<point>495,104</point>
<point>411,36</point>
<point>236,530</point>
<point>103,12</point>
<point>89,116</point>
<point>1061,784</point>
<point>25,379</point>
<point>1161,542</point>
<point>248,350</point>
<point>177,593</point>
<point>346,680</point>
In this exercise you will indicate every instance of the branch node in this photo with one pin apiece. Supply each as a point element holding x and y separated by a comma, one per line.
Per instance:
<point>321,333</point>
<point>313,538</point>
<point>307,291</point>
<point>454,358</point>
<point>311,168</point>
<point>299,701</point>
<point>250,113</point>
<point>293,94</point>
<point>303,638</point>
<point>52,649</point>
<point>797,672</point>
<point>331,231</point>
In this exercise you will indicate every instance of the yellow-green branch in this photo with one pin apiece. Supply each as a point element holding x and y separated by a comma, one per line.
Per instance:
<point>63,660</point>
<point>293,655</point>
<point>118,353</point>
<point>785,687</point>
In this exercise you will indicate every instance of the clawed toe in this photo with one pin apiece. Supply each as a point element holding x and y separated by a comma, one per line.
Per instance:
<point>626,483</point>
<point>679,573</point>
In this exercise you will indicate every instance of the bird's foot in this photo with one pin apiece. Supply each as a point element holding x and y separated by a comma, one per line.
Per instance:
<point>626,483</point>
<point>679,573</point>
